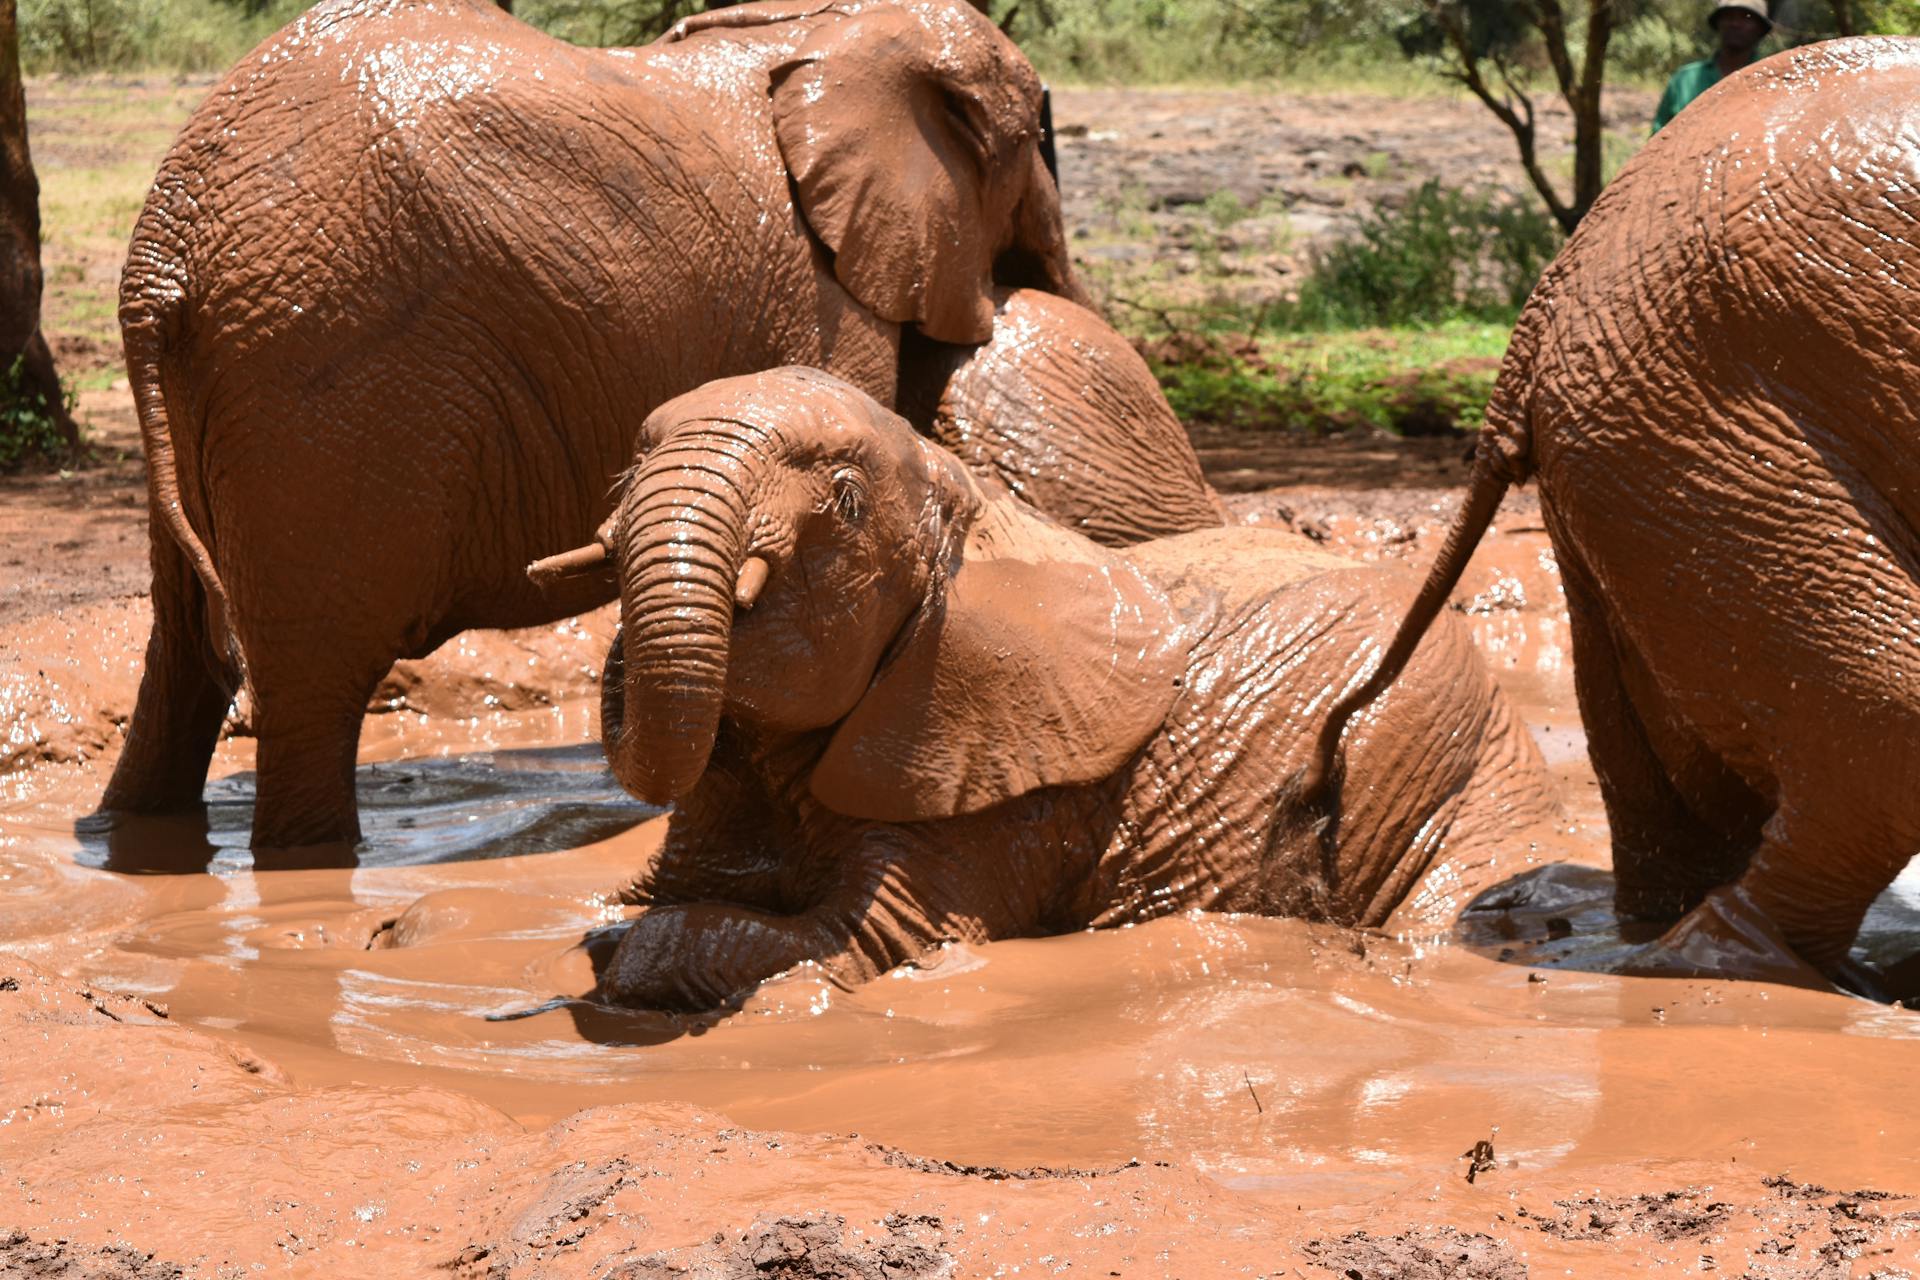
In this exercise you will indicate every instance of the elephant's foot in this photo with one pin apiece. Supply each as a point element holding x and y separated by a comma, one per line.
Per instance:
<point>1728,935</point>
<point>703,955</point>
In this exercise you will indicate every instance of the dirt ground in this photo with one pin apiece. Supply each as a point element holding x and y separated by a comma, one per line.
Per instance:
<point>199,1135</point>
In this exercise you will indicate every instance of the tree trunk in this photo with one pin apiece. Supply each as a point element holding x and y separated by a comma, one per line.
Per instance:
<point>20,280</point>
<point>1844,21</point>
<point>505,4</point>
<point>1589,127</point>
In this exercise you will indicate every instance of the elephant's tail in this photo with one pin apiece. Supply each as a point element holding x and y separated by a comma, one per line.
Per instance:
<point>146,327</point>
<point>1494,470</point>
<point>1503,457</point>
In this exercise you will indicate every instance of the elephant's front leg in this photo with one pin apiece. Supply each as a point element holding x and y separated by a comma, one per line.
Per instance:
<point>698,955</point>
<point>703,954</point>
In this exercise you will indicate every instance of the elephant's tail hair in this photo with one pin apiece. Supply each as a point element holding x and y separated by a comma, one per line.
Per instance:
<point>1491,478</point>
<point>145,329</point>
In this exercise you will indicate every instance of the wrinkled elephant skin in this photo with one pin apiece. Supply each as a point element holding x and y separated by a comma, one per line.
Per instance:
<point>1064,412</point>
<point>893,705</point>
<point>414,274</point>
<point>1715,386</point>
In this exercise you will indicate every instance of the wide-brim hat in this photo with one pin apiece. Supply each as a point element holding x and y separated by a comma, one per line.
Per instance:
<point>1758,8</point>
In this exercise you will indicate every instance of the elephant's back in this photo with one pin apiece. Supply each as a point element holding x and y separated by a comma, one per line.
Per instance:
<point>1745,282</point>
<point>428,235</point>
<point>323,159</point>
<point>1277,629</point>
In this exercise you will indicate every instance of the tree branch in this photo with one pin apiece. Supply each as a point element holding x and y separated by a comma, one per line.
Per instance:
<point>1519,118</point>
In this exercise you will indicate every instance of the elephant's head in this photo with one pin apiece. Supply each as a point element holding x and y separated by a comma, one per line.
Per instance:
<point>793,556</point>
<point>911,129</point>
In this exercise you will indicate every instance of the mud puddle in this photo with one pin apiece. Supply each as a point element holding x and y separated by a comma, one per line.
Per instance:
<point>1325,1065</point>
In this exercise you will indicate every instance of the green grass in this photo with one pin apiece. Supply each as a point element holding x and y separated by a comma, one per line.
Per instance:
<point>95,145</point>
<point>1409,380</point>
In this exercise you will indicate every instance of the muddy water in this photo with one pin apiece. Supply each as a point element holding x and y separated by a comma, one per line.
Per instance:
<point>1328,1067</point>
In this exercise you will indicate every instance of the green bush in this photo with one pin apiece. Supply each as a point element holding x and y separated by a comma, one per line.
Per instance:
<point>28,431</point>
<point>1440,255</point>
<point>1426,381</point>
<point>180,35</point>
<point>606,22</point>
<point>1166,41</point>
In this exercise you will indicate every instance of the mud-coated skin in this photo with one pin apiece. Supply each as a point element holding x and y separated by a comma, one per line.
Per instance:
<point>934,714</point>
<point>1715,386</point>
<point>414,274</point>
<point>1064,412</point>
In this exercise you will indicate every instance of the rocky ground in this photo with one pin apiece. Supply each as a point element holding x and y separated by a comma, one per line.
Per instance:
<point>1190,195</point>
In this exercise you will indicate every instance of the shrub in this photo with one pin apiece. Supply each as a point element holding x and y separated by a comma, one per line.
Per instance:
<point>181,35</point>
<point>28,430</point>
<point>1441,254</point>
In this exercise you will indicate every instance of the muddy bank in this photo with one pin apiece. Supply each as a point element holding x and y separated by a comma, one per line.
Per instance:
<point>1293,1109</point>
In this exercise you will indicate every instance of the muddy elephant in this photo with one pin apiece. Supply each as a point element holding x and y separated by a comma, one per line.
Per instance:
<point>414,274</point>
<point>1729,466</point>
<point>1064,412</point>
<point>893,705</point>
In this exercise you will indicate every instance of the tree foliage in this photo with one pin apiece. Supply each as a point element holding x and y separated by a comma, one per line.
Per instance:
<point>1479,43</point>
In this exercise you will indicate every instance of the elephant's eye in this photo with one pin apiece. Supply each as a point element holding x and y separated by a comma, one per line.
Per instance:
<point>849,495</point>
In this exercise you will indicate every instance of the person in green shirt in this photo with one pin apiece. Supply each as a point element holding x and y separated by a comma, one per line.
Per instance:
<point>1740,25</point>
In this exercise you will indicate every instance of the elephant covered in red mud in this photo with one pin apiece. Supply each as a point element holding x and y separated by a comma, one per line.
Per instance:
<point>1715,386</point>
<point>892,705</point>
<point>414,274</point>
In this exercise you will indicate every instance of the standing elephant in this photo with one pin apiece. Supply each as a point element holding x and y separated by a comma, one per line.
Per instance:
<point>414,273</point>
<point>1715,385</point>
<point>892,705</point>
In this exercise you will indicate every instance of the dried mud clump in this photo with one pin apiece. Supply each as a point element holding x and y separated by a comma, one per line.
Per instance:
<point>24,1258</point>
<point>816,1247</point>
<point>1440,1253</point>
<point>1670,1215</point>
<point>993,1172</point>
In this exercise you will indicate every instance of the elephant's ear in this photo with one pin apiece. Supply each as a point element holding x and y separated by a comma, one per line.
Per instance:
<point>896,161</point>
<point>1046,661</point>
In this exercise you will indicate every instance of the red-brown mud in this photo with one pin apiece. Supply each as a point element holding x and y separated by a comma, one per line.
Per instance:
<point>364,1070</point>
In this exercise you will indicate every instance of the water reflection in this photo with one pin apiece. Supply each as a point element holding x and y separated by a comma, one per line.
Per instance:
<point>490,804</point>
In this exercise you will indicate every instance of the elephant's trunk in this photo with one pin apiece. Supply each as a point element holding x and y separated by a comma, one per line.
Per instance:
<point>1038,257</point>
<point>681,542</point>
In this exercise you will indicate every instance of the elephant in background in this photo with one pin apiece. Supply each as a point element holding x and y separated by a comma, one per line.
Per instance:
<point>414,273</point>
<point>1064,412</point>
<point>1729,468</point>
<point>894,705</point>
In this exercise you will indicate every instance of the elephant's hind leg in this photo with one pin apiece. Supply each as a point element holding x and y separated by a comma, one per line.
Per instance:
<point>185,690</point>
<point>310,691</point>
<point>1667,854</point>
<point>1837,841</point>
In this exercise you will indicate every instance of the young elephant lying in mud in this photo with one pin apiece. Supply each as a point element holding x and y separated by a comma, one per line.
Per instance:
<point>894,705</point>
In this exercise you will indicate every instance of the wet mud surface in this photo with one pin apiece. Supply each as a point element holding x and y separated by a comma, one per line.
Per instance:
<point>207,1063</point>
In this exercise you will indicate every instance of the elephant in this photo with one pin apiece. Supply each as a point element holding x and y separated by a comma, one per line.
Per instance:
<point>1064,412</point>
<point>414,273</point>
<point>891,704</point>
<point>1729,469</point>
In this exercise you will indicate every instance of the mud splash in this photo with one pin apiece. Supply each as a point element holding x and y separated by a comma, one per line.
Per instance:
<point>393,1039</point>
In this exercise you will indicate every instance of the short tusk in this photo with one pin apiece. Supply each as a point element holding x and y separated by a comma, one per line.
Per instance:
<point>553,570</point>
<point>753,576</point>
